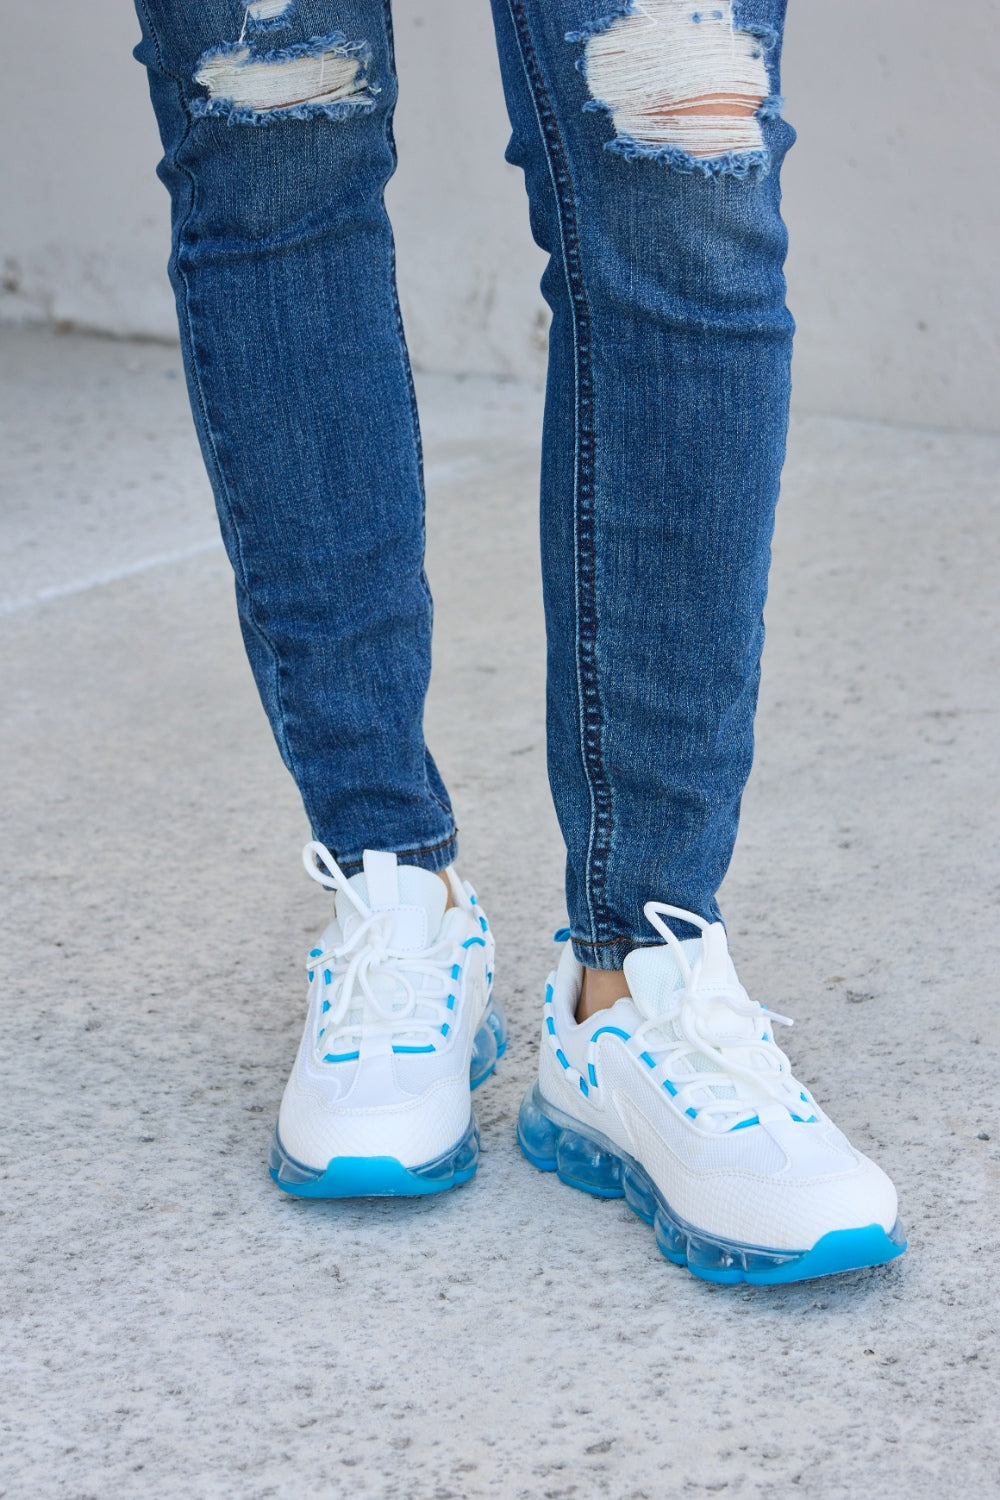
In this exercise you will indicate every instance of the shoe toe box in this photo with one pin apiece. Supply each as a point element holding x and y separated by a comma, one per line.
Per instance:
<point>780,1186</point>
<point>824,1186</point>
<point>316,1125</point>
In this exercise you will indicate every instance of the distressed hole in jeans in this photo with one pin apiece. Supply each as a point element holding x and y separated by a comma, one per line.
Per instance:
<point>681,83</point>
<point>326,75</point>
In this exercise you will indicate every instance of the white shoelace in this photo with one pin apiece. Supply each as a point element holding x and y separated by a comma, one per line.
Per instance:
<point>342,977</point>
<point>764,1078</point>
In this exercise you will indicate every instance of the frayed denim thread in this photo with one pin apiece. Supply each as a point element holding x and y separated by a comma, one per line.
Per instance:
<point>766,35</point>
<point>256,25</point>
<point>243,114</point>
<point>337,109</point>
<point>332,41</point>
<point>738,164</point>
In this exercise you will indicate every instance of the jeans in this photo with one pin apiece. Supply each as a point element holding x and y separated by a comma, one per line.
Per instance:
<point>665,418</point>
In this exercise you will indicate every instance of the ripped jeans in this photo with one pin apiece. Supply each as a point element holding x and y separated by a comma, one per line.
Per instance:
<point>650,138</point>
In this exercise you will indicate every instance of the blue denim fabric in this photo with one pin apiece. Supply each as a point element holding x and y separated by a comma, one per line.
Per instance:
<point>665,423</point>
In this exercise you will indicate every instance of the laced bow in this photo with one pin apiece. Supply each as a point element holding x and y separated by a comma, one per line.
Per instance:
<point>344,974</point>
<point>766,1070</point>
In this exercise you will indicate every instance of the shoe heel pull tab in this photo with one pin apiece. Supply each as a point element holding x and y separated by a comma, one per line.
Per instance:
<point>381,879</point>
<point>714,965</point>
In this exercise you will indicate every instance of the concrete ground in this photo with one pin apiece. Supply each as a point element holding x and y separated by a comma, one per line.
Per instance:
<point>172,1325</point>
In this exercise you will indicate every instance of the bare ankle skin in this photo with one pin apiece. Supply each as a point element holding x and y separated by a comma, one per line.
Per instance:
<point>601,988</point>
<point>451,899</point>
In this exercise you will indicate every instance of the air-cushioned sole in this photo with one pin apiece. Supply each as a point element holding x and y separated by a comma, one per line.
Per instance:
<point>554,1142</point>
<point>385,1176</point>
<point>489,1046</point>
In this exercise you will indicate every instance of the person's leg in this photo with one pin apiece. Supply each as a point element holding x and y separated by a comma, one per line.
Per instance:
<point>651,142</point>
<point>276,124</point>
<point>276,117</point>
<point>665,426</point>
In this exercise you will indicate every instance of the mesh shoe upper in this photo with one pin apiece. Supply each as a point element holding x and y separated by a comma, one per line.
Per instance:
<point>397,989</point>
<point>685,1077</point>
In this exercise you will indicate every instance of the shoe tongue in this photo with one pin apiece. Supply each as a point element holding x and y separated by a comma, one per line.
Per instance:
<point>654,977</point>
<point>413,900</point>
<point>655,980</point>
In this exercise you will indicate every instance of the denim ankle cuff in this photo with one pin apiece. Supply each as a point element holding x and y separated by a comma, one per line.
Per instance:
<point>434,858</point>
<point>612,955</point>
<point>609,955</point>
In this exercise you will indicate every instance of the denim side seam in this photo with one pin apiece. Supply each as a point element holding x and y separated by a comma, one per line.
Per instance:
<point>584,560</point>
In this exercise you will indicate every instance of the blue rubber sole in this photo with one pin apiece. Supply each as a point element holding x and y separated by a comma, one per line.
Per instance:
<point>554,1142</point>
<point>376,1176</point>
<point>386,1176</point>
<point>489,1046</point>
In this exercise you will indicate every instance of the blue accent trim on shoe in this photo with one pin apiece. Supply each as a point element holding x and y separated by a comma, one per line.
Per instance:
<point>470,941</point>
<point>488,1047</point>
<point>614,1030</point>
<point>375,1176</point>
<point>561,935</point>
<point>555,1142</point>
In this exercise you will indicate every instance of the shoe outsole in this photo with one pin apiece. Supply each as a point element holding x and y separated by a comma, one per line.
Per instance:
<point>376,1176</point>
<point>552,1142</point>
<point>386,1176</point>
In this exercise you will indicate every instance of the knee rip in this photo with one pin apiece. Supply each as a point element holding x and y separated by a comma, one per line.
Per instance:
<point>249,85</point>
<point>683,86</point>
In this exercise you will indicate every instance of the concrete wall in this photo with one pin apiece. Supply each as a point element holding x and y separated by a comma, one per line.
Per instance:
<point>890,196</point>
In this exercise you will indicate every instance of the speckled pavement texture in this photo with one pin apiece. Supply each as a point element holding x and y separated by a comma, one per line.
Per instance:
<point>173,1326</point>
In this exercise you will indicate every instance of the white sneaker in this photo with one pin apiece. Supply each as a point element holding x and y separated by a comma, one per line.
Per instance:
<point>401,1026</point>
<point>679,1100</point>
